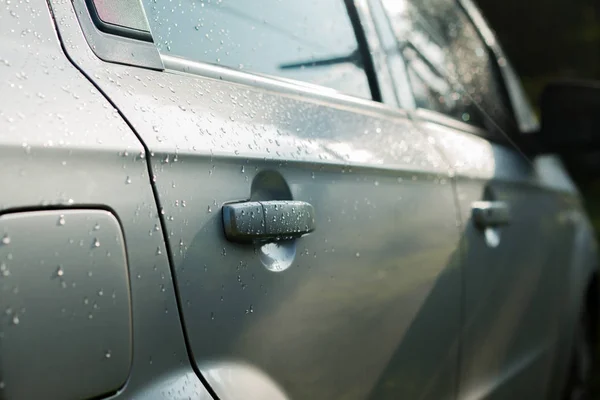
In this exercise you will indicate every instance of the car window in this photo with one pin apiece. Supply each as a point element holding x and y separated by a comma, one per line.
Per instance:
<point>430,66</point>
<point>447,39</point>
<point>311,41</point>
<point>474,67</point>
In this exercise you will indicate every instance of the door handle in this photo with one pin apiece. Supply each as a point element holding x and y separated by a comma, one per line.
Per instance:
<point>490,213</point>
<point>267,221</point>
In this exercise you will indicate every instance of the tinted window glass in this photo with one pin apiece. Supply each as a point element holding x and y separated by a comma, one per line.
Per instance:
<point>430,65</point>
<point>475,69</point>
<point>446,37</point>
<point>311,41</point>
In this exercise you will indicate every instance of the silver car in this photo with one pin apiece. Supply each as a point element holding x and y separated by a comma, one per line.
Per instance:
<point>325,199</point>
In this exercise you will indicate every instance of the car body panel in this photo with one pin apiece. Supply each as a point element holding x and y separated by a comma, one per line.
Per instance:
<point>368,305</point>
<point>88,346</point>
<point>514,275</point>
<point>63,146</point>
<point>349,294</point>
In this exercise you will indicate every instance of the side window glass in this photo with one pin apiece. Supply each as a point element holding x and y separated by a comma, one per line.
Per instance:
<point>476,70</point>
<point>311,41</point>
<point>429,63</point>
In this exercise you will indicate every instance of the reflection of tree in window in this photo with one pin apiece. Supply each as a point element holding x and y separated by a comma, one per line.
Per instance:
<point>476,71</point>
<point>425,42</point>
<point>430,89</point>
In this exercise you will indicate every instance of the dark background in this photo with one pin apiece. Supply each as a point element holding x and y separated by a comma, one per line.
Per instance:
<point>547,40</point>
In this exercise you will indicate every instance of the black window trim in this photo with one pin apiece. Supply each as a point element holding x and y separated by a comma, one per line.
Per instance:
<point>363,49</point>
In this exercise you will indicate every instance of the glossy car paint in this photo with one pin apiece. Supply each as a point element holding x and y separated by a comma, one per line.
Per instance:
<point>88,347</point>
<point>514,275</point>
<point>356,289</point>
<point>63,146</point>
<point>373,309</point>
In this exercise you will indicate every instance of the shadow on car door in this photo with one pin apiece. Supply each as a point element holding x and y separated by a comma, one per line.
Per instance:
<point>515,265</point>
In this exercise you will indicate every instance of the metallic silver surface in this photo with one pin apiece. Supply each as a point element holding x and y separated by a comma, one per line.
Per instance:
<point>514,274</point>
<point>62,144</point>
<point>266,82</point>
<point>67,308</point>
<point>393,296</point>
<point>300,313</point>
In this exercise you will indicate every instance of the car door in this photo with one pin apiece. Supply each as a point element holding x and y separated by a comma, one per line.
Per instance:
<point>514,218</point>
<point>273,104</point>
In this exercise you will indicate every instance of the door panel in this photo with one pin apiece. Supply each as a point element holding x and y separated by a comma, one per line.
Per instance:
<point>514,273</point>
<point>353,310</point>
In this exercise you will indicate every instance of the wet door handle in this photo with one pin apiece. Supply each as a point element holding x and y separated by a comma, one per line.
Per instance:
<point>490,213</point>
<point>267,221</point>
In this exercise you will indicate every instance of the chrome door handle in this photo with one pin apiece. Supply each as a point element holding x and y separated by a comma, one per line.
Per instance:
<point>490,213</point>
<point>267,221</point>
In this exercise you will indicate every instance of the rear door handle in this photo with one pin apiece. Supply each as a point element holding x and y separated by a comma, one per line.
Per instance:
<point>490,213</point>
<point>267,221</point>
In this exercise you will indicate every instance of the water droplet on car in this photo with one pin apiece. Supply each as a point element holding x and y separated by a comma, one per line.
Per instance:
<point>4,271</point>
<point>128,180</point>
<point>15,319</point>
<point>6,239</point>
<point>61,220</point>
<point>107,354</point>
<point>492,237</point>
<point>96,242</point>
<point>357,254</point>
<point>60,271</point>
